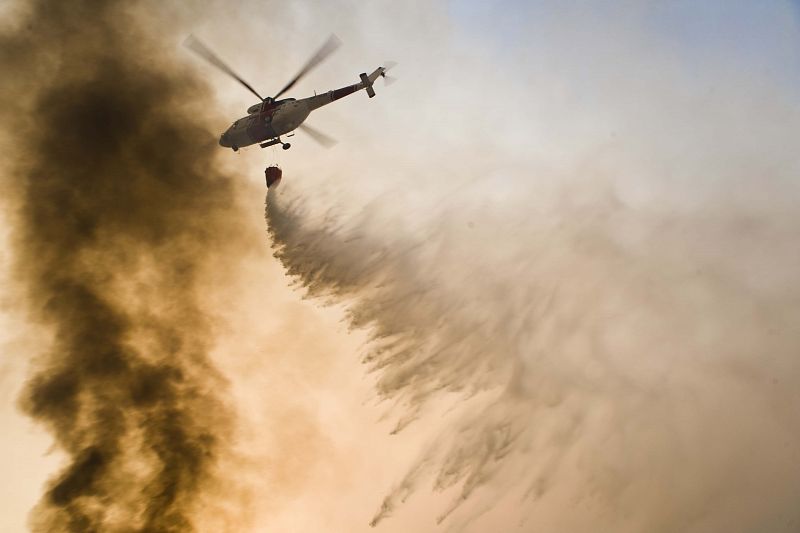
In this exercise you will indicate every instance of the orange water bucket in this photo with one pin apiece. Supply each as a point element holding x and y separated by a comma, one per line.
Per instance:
<point>273,175</point>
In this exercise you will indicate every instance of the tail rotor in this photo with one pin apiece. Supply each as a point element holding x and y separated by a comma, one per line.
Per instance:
<point>388,80</point>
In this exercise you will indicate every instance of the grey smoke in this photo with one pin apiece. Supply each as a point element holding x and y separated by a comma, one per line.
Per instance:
<point>118,213</point>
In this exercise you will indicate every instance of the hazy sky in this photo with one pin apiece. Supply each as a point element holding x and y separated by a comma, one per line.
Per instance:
<point>546,281</point>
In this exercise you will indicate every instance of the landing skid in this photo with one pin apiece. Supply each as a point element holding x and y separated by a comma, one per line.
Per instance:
<point>273,142</point>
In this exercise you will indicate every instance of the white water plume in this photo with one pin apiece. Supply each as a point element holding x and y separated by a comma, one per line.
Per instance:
<point>615,322</point>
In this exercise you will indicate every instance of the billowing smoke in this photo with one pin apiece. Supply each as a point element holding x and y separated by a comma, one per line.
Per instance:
<point>119,212</point>
<point>613,325</point>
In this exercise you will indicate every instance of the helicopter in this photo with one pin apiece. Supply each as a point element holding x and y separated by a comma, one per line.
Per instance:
<point>272,118</point>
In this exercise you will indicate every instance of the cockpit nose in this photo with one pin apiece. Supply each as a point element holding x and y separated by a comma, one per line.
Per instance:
<point>223,140</point>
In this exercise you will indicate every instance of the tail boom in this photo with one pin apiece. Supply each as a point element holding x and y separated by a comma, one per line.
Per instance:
<point>331,96</point>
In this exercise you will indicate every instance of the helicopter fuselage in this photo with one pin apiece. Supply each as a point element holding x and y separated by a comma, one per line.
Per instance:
<point>272,118</point>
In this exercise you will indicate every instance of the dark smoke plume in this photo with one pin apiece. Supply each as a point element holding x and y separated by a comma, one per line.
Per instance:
<point>118,209</point>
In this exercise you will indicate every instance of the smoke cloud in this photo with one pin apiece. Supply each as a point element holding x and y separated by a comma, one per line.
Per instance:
<point>612,322</point>
<point>119,212</point>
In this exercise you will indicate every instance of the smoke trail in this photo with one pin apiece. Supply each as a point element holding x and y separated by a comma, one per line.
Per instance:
<point>119,210</point>
<point>625,369</point>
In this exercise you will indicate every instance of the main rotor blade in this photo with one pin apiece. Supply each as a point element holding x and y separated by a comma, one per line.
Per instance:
<point>318,136</point>
<point>325,50</point>
<point>194,44</point>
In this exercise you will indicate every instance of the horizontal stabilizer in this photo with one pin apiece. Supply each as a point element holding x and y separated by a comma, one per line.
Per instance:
<point>367,84</point>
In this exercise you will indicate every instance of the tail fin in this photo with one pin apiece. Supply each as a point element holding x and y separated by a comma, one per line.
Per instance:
<point>368,84</point>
